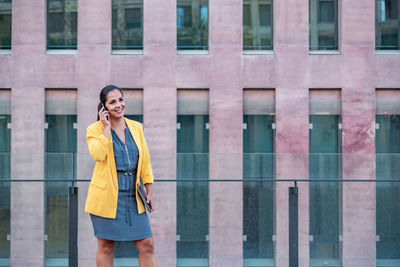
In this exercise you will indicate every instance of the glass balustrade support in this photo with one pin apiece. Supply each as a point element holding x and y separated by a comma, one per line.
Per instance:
<point>73,227</point>
<point>293,227</point>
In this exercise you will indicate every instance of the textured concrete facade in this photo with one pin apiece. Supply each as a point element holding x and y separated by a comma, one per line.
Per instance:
<point>290,70</point>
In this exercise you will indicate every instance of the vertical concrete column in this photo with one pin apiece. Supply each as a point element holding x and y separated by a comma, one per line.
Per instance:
<point>226,134</point>
<point>94,48</point>
<point>291,162</point>
<point>160,131</point>
<point>160,106</point>
<point>87,113</point>
<point>291,48</point>
<point>359,229</point>
<point>359,200</point>
<point>27,133</point>
<point>27,163</point>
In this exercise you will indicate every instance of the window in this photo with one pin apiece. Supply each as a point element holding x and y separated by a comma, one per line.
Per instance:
<point>62,18</point>
<point>5,24</point>
<point>258,164</point>
<point>61,145</point>
<point>387,146</point>
<point>5,166</point>
<point>387,26</point>
<point>325,163</point>
<point>265,15</point>
<point>323,25</point>
<point>257,25</point>
<point>326,12</point>
<point>134,104</point>
<point>192,24</point>
<point>127,24</point>
<point>246,15</point>
<point>192,164</point>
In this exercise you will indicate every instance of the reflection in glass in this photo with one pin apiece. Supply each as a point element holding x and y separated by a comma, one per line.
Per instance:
<point>62,19</point>
<point>5,166</point>
<point>323,25</point>
<point>192,24</point>
<point>258,196</point>
<point>325,197</point>
<point>60,138</point>
<point>387,24</point>
<point>257,25</point>
<point>127,24</point>
<point>388,193</point>
<point>192,197</point>
<point>5,24</point>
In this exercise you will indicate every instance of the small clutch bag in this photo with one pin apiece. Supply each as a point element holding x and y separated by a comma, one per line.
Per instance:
<point>142,194</point>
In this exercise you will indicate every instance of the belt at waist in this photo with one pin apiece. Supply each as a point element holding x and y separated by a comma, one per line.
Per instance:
<point>126,173</point>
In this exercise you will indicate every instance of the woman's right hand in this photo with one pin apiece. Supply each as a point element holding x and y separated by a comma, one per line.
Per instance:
<point>103,115</point>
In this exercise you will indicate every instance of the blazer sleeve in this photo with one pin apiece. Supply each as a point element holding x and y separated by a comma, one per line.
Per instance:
<point>146,173</point>
<point>98,144</point>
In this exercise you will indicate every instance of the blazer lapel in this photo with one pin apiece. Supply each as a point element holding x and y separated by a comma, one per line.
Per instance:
<point>135,134</point>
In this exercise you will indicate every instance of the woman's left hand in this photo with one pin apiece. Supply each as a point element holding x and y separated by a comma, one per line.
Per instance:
<point>149,196</point>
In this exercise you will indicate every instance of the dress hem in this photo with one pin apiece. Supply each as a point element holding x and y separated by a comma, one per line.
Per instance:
<point>120,238</point>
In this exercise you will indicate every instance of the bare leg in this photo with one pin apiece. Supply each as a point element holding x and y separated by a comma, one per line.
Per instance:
<point>146,252</point>
<point>105,253</point>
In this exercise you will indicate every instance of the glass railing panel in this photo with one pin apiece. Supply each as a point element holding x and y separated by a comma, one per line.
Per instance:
<point>5,161</point>
<point>192,209</point>
<point>58,166</point>
<point>258,209</point>
<point>388,210</point>
<point>125,254</point>
<point>325,210</point>
<point>323,172</point>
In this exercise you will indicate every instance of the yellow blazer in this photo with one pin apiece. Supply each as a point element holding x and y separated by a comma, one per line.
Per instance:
<point>102,196</point>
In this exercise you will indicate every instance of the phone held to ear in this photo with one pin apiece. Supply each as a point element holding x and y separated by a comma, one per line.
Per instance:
<point>104,107</point>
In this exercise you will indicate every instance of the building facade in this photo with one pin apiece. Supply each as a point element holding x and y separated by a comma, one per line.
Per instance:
<point>258,91</point>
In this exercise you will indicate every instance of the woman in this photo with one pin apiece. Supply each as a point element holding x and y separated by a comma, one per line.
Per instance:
<point>122,158</point>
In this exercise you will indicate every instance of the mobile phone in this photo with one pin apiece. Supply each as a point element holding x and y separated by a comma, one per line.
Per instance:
<point>104,107</point>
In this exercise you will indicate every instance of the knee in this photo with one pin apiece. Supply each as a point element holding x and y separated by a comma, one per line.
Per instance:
<point>146,246</point>
<point>106,247</point>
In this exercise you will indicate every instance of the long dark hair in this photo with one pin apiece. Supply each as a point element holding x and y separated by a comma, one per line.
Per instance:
<point>103,96</point>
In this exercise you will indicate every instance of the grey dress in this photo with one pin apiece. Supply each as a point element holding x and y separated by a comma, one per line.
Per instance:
<point>128,224</point>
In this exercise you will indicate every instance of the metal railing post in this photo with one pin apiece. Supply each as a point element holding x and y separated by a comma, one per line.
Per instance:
<point>293,227</point>
<point>73,227</point>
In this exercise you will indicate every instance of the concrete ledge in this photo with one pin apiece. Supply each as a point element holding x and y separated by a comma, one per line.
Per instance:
<point>324,52</point>
<point>61,52</point>
<point>258,52</point>
<point>387,52</point>
<point>127,52</point>
<point>192,52</point>
<point>5,52</point>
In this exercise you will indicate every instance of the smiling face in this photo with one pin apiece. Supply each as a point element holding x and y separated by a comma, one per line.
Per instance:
<point>115,104</point>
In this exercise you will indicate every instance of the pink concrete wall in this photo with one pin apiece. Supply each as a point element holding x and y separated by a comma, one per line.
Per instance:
<point>225,71</point>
